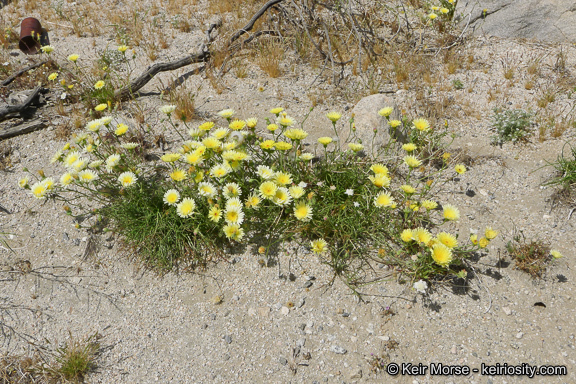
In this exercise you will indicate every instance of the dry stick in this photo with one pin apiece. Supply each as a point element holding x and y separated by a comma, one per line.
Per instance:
<point>253,20</point>
<point>11,109</point>
<point>22,71</point>
<point>21,129</point>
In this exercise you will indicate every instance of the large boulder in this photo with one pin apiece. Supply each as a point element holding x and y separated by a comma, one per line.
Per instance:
<point>366,118</point>
<point>544,20</point>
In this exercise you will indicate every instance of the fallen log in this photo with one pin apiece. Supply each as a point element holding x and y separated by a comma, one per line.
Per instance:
<point>20,129</point>
<point>12,109</point>
<point>10,79</point>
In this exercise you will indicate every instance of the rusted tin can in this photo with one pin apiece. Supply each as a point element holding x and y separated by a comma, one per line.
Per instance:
<point>32,36</point>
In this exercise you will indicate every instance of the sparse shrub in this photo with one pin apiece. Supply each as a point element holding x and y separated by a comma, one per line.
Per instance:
<point>511,125</point>
<point>531,256</point>
<point>457,84</point>
<point>77,358</point>
<point>565,166</point>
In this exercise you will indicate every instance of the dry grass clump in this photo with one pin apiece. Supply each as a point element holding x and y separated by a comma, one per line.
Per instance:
<point>530,257</point>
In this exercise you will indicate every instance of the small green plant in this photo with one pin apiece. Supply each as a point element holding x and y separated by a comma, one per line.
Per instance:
<point>77,358</point>
<point>531,256</point>
<point>565,166</point>
<point>457,84</point>
<point>511,125</point>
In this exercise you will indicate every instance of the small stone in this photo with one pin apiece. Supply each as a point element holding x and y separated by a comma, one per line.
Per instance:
<point>285,311</point>
<point>301,302</point>
<point>263,311</point>
<point>453,350</point>
<point>338,349</point>
<point>76,242</point>
<point>251,312</point>
<point>65,237</point>
<point>277,306</point>
<point>308,284</point>
<point>310,278</point>
<point>300,343</point>
<point>227,339</point>
<point>226,357</point>
<point>204,326</point>
<point>519,335</point>
<point>507,311</point>
<point>283,361</point>
<point>357,374</point>
<point>384,338</point>
<point>345,314</point>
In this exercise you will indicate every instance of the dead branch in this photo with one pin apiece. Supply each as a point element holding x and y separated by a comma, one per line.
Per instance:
<point>253,20</point>
<point>12,109</point>
<point>10,79</point>
<point>21,129</point>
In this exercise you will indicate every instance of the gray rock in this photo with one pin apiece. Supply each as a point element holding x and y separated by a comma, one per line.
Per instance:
<point>545,20</point>
<point>356,374</point>
<point>227,339</point>
<point>300,343</point>
<point>338,349</point>
<point>283,361</point>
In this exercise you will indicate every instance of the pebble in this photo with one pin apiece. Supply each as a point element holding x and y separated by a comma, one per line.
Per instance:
<point>263,311</point>
<point>283,361</point>
<point>65,236</point>
<point>507,311</point>
<point>300,343</point>
<point>338,349</point>
<point>301,302</point>
<point>308,284</point>
<point>285,311</point>
<point>519,335</point>
<point>453,350</point>
<point>227,339</point>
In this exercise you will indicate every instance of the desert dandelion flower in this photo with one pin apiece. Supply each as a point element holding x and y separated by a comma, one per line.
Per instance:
<point>325,140</point>
<point>283,178</point>
<point>409,147</point>
<point>421,235</point>
<point>460,168</point>
<point>282,196</point>
<point>394,123</point>
<point>268,190</point>
<point>379,169</point>
<point>207,189</point>
<point>555,254</point>
<point>490,233</point>
<point>123,48</point>
<point>170,157</point>
<point>451,213</point>
<point>234,215</point>
<point>87,175</point>
<point>447,239</point>
<point>178,175</point>
<point>73,57</point>
<point>66,179</point>
<point>272,127</point>
<point>251,122</point>
<point>39,190</point>
<point>306,156</point>
<point>296,134</point>
<point>442,255</point>
<point>237,125</point>
<point>296,191</point>
<point>333,116</point>
<point>408,189</point>
<point>276,111</point>
<point>220,133</point>
<point>383,199</point>
<point>283,146</point>
<point>211,142</point>
<point>171,197</point>
<point>319,246</point>
<point>127,179</point>
<point>120,129</point>
<point>421,124</point>
<point>303,212</point>
<point>231,190</point>
<point>47,49</point>
<point>432,16</point>
<point>420,286</point>
<point>52,76</point>
<point>226,113</point>
<point>429,204</point>
<point>386,111</point>
<point>99,84</point>
<point>186,207</point>
<point>219,170</point>
<point>267,144</point>
<point>167,109</point>
<point>206,126</point>
<point>253,201</point>
<point>285,120</point>
<point>380,180</point>
<point>215,214</point>
<point>407,235</point>
<point>100,107</point>
<point>412,161</point>
<point>356,147</point>
<point>23,182</point>
<point>265,172</point>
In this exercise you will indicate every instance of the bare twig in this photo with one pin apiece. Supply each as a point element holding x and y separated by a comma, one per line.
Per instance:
<point>12,109</point>
<point>253,20</point>
<point>21,129</point>
<point>10,79</point>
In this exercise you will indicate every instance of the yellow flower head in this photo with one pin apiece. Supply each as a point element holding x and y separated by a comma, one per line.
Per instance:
<point>422,125</point>
<point>490,233</point>
<point>379,169</point>
<point>73,58</point>
<point>123,48</point>
<point>296,191</point>
<point>333,116</point>
<point>23,182</point>
<point>474,238</point>
<point>447,239</point>
<point>412,161</point>
<point>409,147</point>
<point>251,122</point>
<point>386,111</point>
<point>265,172</point>
<point>451,212</point>
<point>325,140</point>
<point>253,201</point>
<point>272,127</point>
<point>394,123</point>
<point>306,156</point>
<point>380,180</point>
<point>303,212</point>
<point>406,235</point>
<point>356,147</point>
<point>66,179</point>
<point>220,170</point>
<point>206,126</point>
<point>233,232</point>
<point>231,190</point>
<point>432,16</point>
<point>127,179</point>
<point>460,168</point>
<point>429,204</point>
<point>408,189</point>
<point>100,107</point>
<point>383,199</point>
<point>207,190</point>
<point>214,214</point>
<point>295,134</point>
<point>421,235</point>
<point>444,10</point>
<point>39,190</point>
<point>211,142</point>
<point>171,197</point>
<point>267,144</point>
<point>71,158</point>
<point>186,207</point>
<point>226,113</point>
<point>121,129</point>
<point>276,111</point>
<point>268,189</point>
<point>171,157</point>
<point>285,120</point>
<point>167,109</point>
<point>483,242</point>
<point>237,125</point>
<point>47,49</point>
<point>283,178</point>
<point>282,196</point>
<point>555,254</point>
<point>220,133</point>
<point>52,76</point>
<point>442,255</point>
<point>99,84</point>
<point>283,146</point>
<point>234,215</point>
<point>319,246</point>
<point>194,158</point>
<point>178,175</point>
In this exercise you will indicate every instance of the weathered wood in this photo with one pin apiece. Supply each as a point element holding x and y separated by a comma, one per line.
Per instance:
<point>12,109</point>
<point>253,20</point>
<point>21,129</point>
<point>10,79</point>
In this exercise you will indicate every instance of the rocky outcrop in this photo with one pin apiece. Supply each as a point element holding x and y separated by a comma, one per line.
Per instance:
<point>544,20</point>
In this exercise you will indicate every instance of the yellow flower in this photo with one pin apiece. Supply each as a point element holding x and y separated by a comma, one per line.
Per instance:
<point>253,201</point>
<point>194,158</point>
<point>206,126</point>
<point>267,144</point>
<point>121,129</point>
<point>555,254</point>
<point>71,158</point>
<point>412,161</point>
<point>112,161</point>
<point>127,179</point>
<point>66,179</point>
<point>211,142</point>
<point>295,134</point>
<point>99,84</point>
<point>285,120</point>
<point>296,191</point>
<point>446,156</point>
<point>220,133</point>
<point>444,10</point>
<point>421,235</point>
<point>220,170</point>
<point>199,176</point>
<point>100,107</point>
<point>442,255</point>
<point>53,76</point>
<point>283,178</point>
<point>408,189</point>
<point>422,125</point>
<point>474,238</point>
<point>207,190</point>
<point>282,196</point>
<point>356,147</point>
<point>265,172</point>
<point>490,233</point>
<point>460,168</point>
<point>231,190</point>
<point>268,189</point>
<point>394,123</point>
<point>451,212</point>
<point>483,242</point>
<point>383,199</point>
<point>87,175</point>
<point>39,190</point>
<point>272,127</point>
<point>276,111</point>
<point>325,140</point>
<point>23,182</point>
<point>303,212</point>
<point>432,16</point>
<point>73,58</point>
<point>283,146</point>
<point>47,49</point>
<point>429,204</point>
<point>386,111</point>
<point>406,235</point>
<point>319,246</point>
<point>306,156</point>
<point>226,113</point>
<point>233,232</point>
<point>380,180</point>
<point>234,215</point>
<point>167,109</point>
<point>251,122</point>
<point>123,48</point>
<point>215,214</point>
<point>379,169</point>
<point>171,197</point>
<point>409,147</point>
<point>186,207</point>
<point>237,125</point>
<point>170,157</point>
<point>447,239</point>
<point>333,116</point>
<point>178,175</point>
